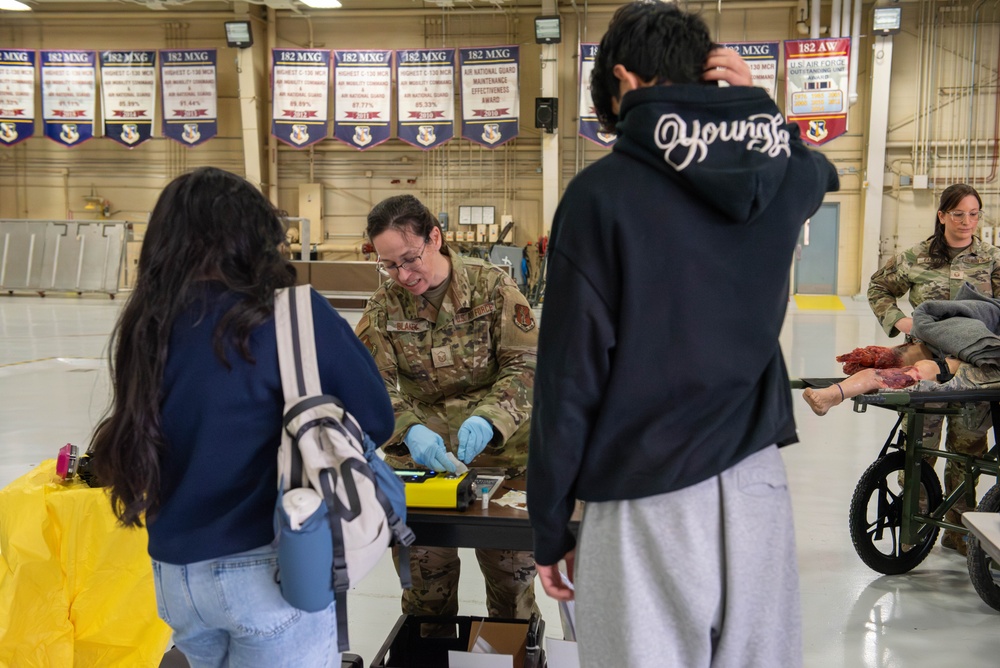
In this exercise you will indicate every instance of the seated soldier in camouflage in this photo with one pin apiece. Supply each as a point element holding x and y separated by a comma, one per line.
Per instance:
<point>455,341</point>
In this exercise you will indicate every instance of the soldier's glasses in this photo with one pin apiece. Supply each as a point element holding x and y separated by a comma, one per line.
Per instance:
<point>410,265</point>
<point>959,216</point>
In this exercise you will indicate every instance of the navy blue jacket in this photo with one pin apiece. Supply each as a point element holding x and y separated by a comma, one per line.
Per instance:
<point>223,428</point>
<point>658,356</point>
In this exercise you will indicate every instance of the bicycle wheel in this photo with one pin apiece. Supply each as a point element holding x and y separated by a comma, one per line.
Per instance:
<point>983,569</point>
<point>877,515</point>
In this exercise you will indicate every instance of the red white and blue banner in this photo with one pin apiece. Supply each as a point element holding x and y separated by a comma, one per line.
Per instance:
<point>17,96</point>
<point>300,83</point>
<point>69,97</point>
<point>128,95</point>
<point>425,96</point>
<point>190,96</point>
<point>816,87</point>
<point>590,128</point>
<point>362,102</point>
<point>490,97</point>
<point>762,57</point>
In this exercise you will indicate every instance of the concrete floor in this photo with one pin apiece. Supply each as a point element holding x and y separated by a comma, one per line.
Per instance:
<point>53,388</point>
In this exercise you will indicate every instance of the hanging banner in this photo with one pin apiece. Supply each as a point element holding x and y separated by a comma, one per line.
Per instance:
<point>190,97</point>
<point>300,80</point>
<point>762,57</point>
<point>362,103</point>
<point>590,128</point>
<point>425,96</point>
<point>128,95</point>
<point>69,99</point>
<point>816,87</point>
<point>490,102</point>
<point>17,96</point>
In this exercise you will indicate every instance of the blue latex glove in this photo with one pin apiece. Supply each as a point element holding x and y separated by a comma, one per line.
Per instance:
<point>427,449</point>
<point>473,436</point>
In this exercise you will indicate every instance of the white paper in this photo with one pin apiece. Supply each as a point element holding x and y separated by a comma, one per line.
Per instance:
<point>561,653</point>
<point>468,660</point>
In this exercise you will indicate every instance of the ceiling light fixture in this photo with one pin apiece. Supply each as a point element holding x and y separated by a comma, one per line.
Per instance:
<point>320,4</point>
<point>14,6</point>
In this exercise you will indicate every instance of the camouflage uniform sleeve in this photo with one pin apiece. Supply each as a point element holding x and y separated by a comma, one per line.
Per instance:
<point>995,273</point>
<point>887,285</point>
<point>371,330</point>
<point>514,334</point>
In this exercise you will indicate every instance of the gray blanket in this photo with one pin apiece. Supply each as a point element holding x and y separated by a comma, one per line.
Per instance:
<point>966,327</point>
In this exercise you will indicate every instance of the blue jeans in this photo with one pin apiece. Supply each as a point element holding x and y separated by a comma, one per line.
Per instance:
<point>229,612</point>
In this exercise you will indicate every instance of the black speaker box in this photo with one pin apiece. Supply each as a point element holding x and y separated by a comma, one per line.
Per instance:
<point>547,113</point>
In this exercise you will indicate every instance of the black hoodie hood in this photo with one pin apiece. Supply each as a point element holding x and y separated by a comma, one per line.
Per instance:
<point>731,145</point>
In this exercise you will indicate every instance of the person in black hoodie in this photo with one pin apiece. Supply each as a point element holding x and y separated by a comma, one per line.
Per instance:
<point>661,395</point>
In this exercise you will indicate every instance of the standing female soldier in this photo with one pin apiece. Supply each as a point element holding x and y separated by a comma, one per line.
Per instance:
<point>455,341</point>
<point>935,269</point>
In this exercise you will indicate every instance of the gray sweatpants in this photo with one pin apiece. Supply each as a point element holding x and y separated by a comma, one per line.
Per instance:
<point>704,576</point>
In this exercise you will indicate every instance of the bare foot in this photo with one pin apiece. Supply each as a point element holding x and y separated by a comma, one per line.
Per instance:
<point>821,401</point>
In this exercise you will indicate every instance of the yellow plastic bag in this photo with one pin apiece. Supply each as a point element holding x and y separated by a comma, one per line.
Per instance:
<point>76,589</point>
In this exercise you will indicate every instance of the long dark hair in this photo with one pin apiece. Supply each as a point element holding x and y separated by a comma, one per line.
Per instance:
<point>208,225</point>
<point>950,198</point>
<point>656,41</point>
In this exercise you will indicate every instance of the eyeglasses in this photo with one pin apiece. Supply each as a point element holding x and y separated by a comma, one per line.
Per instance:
<point>959,216</point>
<point>410,265</point>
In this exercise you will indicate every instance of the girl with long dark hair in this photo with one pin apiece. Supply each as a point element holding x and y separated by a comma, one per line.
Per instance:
<point>189,445</point>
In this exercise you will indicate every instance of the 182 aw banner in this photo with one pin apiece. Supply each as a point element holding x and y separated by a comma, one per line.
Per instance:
<point>17,96</point>
<point>69,98</point>
<point>300,81</point>
<point>816,87</point>
<point>190,97</point>
<point>490,98</point>
<point>362,103</point>
<point>590,128</point>
<point>128,95</point>
<point>425,96</point>
<point>762,57</point>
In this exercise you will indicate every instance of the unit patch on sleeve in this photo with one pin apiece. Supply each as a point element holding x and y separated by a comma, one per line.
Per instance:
<point>523,318</point>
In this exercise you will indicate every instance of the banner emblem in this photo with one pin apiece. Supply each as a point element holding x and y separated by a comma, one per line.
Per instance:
<point>130,133</point>
<point>362,135</point>
<point>190,133</point>
<point>299,134</point>
<point>491,133</point>
<point>425,135</point>
<point>69,133</point>
<point>817,130</point>
<point>8,132</point>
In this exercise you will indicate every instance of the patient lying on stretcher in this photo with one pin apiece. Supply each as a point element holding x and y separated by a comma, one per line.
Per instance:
<point>881,368</point>
<point>965,331</point>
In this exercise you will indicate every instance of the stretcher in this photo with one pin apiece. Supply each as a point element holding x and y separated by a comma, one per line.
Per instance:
<point>894,526</point>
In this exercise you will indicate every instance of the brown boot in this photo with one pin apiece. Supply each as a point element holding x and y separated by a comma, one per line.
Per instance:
<point>954,540</point>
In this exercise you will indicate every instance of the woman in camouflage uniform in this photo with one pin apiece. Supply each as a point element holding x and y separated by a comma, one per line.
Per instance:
<point>935,269</point>
<point>455,341</point>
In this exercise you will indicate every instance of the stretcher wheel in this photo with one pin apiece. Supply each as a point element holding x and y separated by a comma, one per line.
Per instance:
<point>877,515</point>
<point>984,571</point>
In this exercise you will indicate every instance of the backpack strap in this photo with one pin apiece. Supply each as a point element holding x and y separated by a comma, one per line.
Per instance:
<point>338,578</point>
<point>293,320</point>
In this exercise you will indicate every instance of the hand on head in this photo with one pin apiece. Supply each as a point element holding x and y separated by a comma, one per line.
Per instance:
<point>726,65</point>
